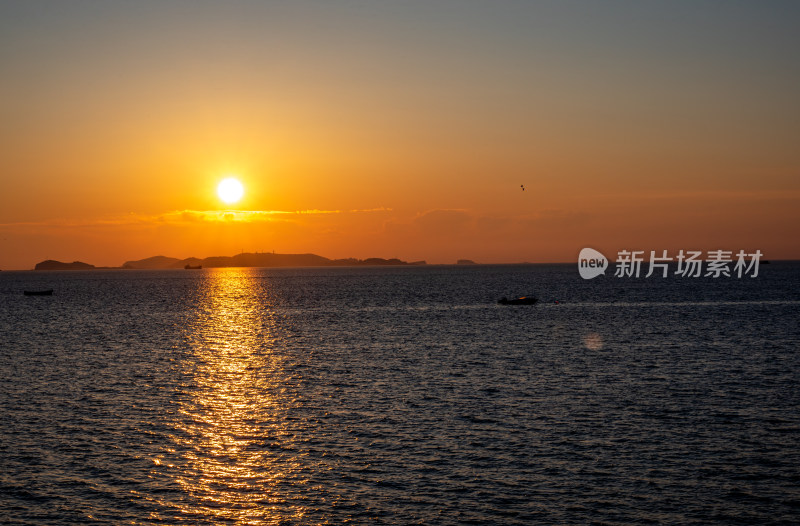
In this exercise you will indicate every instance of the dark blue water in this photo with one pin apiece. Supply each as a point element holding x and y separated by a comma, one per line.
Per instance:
<point>399,396</point>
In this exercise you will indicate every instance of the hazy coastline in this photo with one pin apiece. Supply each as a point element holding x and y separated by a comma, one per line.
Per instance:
<point>245,259</point>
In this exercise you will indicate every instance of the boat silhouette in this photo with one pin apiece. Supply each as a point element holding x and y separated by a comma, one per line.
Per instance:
<point>522,300</point>
<point>48,292</point>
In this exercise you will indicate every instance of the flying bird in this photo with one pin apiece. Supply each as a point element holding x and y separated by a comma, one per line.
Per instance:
<point>522,186</point>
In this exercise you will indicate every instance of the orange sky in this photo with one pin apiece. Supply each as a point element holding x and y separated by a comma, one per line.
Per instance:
<point>397,129</point>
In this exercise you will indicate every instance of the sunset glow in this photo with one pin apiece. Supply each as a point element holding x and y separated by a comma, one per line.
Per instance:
<point>399,262</point>
<point>649,127</point>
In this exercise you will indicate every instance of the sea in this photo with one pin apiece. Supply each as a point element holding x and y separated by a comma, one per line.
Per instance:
<point>399,395</point>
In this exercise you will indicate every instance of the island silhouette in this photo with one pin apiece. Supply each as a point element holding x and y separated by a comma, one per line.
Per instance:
<point>52,264</point>
<point>245,259</point>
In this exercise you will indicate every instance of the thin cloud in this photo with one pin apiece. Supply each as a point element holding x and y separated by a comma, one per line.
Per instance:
<point>705,195</point>
<point>178,217</point>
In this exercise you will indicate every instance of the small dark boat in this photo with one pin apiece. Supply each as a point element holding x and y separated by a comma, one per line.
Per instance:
<point>48,292</point>
<point>522,300</point>
<point>193,267</point>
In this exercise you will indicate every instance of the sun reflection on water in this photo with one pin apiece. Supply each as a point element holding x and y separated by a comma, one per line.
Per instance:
<point>231,413</point>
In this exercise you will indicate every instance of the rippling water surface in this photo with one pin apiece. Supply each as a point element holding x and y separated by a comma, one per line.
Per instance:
<point>398,396</point>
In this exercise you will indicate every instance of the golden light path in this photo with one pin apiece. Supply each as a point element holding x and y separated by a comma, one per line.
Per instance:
<point>233,410</point>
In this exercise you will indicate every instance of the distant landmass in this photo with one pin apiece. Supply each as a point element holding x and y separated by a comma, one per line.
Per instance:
<point>51,264</point>
<point>154,263</point>
<point>465,262</point>
<point>258,259</point>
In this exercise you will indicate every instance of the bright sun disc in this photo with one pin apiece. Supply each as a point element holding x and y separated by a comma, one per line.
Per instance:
<point>230,190</point>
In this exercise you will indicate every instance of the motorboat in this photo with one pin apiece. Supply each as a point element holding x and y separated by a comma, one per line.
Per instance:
<point>522,300</point>
<point>48,292</point>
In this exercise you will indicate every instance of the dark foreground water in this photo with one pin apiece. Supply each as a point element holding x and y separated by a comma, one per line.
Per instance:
<point>399,396</point>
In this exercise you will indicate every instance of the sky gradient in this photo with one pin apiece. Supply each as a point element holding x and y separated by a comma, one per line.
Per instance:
<point>397,129</point>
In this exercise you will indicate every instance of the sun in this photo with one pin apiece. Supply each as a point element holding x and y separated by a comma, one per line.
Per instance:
<point>230,190</point>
